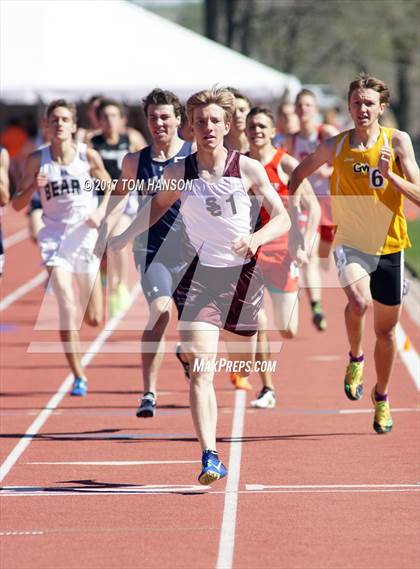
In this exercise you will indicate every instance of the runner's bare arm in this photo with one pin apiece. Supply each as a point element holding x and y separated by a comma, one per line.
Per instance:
<point>304,196</point>
<point>410,185</point>
<point>324,153</point>
<point>120,194</point>
<point>255,177</point>
<point>117,200</point>
<point>327,131</point>
<point>97,170</point>
<point>32,180</point>
<point>4,177</point>
<point>149,214</point>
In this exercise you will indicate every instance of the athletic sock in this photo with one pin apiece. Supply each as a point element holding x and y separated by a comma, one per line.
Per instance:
<point>358,360</point>
<point>379,397</point>
<point>149,393</point>
<point>316,306</point>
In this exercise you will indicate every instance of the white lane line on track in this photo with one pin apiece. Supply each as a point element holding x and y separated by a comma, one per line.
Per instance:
<point>129,490</point>
<point>255,487</point>
<point>93,490</point>
<point>15,238</point>
<point>62,390</point>
<point>336,491</point>
<point>16,532</point>
<point>227,532</point>
<point>126,347</point>
<point>119,462</point>
<point>87,413</point>
<point>22,290</point>
<point>396,410</point>
<point>409,356</point>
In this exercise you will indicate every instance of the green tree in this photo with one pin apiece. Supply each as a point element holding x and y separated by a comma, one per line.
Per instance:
<point>329,41</point>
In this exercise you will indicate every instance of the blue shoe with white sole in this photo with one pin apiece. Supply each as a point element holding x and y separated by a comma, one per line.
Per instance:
<point>80,387</point>
<point>213,468</point>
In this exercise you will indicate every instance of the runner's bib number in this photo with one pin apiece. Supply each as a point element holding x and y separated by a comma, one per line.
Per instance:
<point>376,180</point>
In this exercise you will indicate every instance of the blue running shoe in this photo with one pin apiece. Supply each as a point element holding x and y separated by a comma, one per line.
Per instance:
<point>80,387</point>
<point>147,407</point>
<point>213,468</point>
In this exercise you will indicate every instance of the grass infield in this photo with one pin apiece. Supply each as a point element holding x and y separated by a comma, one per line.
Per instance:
<point>412,255</point>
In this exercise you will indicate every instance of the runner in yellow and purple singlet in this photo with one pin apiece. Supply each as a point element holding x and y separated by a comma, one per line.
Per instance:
<point>374,169</point>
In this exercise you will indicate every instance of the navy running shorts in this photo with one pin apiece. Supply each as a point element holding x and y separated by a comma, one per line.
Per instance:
<point>158,278</point>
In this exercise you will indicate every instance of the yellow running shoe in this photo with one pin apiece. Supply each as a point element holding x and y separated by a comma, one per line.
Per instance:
<point>382,422</point>
<point>353,381</point>
<point>240,382</point>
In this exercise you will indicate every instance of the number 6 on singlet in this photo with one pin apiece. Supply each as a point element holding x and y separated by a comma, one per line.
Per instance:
<point>376,180</point>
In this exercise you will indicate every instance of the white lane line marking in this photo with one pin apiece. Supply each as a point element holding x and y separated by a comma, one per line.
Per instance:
<point>18,491</point>
<point>116,412</point>
<point>396,410</point>
<point>320,411</point>
<point>255,487</point>
<point>120,462</point>
<point>227,532</point>
<point>409,356</point>
<point>22,290</point>
<point>21,532</point>
<point>102,490</point>
<point>15,238</point>
<point>336,491</point>
<point>62,390</point>
<point>121,347</point>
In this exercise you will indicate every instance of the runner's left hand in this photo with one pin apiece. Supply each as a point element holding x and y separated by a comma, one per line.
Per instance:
<point>384,161</point>
<point>245,247</point>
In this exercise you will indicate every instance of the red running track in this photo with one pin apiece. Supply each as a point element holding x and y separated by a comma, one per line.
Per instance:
<point>310,484</point>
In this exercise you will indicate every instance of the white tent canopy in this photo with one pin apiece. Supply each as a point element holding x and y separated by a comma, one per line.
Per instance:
<point>75,48</point>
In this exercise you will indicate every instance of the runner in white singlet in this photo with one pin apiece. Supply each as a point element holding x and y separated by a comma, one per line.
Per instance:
<point>62,173</point>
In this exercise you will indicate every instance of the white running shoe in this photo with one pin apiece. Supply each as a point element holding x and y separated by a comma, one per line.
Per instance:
<point>266,399</point>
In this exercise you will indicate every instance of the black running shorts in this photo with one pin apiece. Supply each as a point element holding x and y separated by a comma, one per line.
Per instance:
<point>386,272</point>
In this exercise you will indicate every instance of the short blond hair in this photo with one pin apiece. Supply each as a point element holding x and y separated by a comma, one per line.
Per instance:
<point>217,96</point>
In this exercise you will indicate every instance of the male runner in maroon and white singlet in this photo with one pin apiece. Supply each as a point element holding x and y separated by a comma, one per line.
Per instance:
<point>222,288</point>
